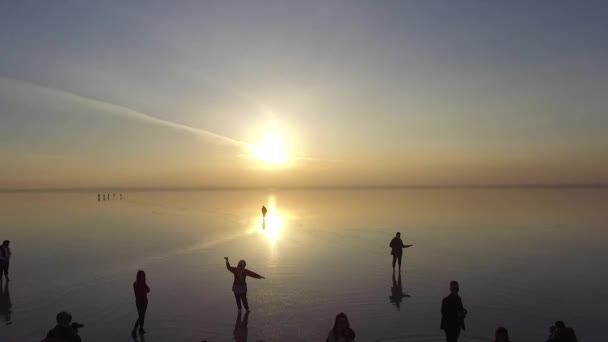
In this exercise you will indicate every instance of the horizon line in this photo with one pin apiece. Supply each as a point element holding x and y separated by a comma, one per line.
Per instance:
<point>313,187</point>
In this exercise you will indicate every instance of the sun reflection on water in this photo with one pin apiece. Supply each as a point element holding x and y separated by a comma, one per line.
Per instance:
<point>272,224</point>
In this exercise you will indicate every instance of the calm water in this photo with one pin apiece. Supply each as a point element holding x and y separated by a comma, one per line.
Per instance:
<point>523,258</point>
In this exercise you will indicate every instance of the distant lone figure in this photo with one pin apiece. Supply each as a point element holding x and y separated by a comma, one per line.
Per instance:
<point>5,259</point>
<point>141,290</point>
<point>264,211</point>
<point>397,247</point>
<point>502,335</point>
<point>452,314</point>
<point>561,333</point>
<point>65,330</point>
<point>98,197</point>
<point>341,331</point>
<point>239,286</point>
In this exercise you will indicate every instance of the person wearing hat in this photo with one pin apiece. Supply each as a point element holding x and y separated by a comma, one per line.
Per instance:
<point>239,286</point>
<point>65,330</point>
<point>5,258</point>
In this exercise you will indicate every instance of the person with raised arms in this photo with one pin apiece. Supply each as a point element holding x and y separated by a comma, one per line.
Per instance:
<point>239,286</point>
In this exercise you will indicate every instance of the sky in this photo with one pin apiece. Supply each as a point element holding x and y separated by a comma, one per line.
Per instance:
<point>302,93</point>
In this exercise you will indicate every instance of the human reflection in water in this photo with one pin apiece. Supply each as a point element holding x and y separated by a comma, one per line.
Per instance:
<point>5,304</point>
<point>397,294</point>
<point>140,338</point>
<point>240,327</point>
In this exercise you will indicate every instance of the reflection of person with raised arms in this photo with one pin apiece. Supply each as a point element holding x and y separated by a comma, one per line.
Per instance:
<point>240,327</point>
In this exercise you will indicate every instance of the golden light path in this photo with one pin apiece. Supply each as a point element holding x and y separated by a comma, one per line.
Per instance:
<point>271,225</point>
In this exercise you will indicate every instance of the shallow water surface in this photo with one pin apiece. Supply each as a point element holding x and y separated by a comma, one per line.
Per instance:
<point>524,258</point>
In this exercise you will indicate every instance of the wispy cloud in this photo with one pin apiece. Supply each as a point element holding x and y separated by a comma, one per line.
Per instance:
<point>18,88</point>
<point>115,109</point>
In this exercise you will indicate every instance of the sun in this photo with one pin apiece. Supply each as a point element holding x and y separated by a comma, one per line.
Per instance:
<point>271,150</point>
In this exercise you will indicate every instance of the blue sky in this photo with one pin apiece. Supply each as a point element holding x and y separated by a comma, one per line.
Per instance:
<point>385,92</point>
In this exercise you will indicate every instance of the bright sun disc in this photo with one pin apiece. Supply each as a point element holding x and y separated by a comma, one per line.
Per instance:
<point>271,150</point>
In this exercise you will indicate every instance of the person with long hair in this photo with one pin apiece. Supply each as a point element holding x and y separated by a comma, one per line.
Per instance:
<point>341,331</point>
<point>239,286</point>
<point>141,290</point>
<point>502,335</point>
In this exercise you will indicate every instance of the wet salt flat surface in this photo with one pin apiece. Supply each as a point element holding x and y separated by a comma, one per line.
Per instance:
<point>524,258</point>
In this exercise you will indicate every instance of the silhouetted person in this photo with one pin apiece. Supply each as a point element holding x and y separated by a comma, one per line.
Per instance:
<point>341,331</point>
<point>65,330</point>
<point>98,197</point>
<point>264,211</point>
<point>240,327</point>
<point>397,294</point>
<point>452,314</point>
<point>141,290</point>
<point>561,333</point>
<point>104,197</point>
<point>397,247</point>
<point>108,197</point>
<point>5,304</point>
<point>551,337</point>
<point>5,259</point>
<point>239,286</point>
<point>502,335</point>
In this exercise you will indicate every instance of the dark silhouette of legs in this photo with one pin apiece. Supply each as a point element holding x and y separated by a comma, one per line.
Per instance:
<point>245,302</point>
<point>141,312</point>
<point>4,270</point>
<point>452,335</point>
<point>395,259</point>
<point>238,301</point>
<point>242,299</point>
